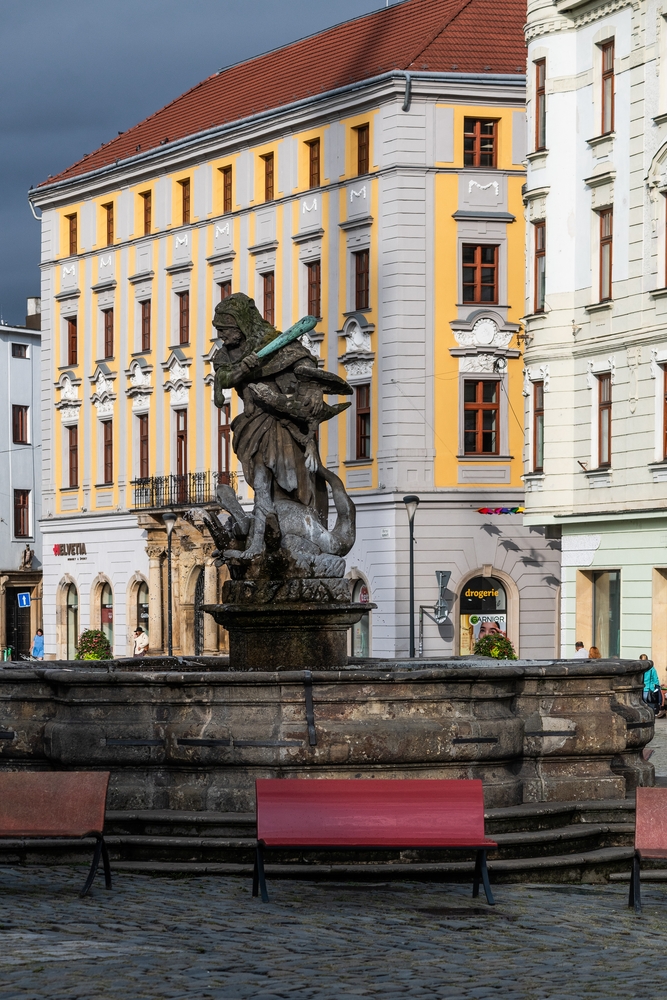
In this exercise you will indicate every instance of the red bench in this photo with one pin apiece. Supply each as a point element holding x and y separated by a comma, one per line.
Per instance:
<point>57,804</point>
<point>650,836</point>
<point>371,814</point>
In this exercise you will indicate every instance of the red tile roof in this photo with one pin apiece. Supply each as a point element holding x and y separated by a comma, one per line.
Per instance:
<point>464,36</point>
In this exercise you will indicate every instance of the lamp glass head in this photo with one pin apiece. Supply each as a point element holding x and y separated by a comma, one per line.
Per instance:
<point>411,503</point>
<point>169,520</point>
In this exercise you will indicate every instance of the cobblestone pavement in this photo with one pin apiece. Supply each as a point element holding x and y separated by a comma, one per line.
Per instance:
<point>155,938</point>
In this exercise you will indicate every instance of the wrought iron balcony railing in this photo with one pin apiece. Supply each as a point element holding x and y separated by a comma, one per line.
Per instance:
<point>194,489</point>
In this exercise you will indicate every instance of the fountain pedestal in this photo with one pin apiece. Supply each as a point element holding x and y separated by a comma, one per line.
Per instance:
<point>287,636</point>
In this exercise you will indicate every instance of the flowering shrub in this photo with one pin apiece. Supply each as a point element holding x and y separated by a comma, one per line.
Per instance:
<point>93,645</point>
<point>495,645</point>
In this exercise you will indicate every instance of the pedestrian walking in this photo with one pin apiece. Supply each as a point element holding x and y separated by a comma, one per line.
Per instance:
<point>140,642</point>
<point>653,694</point>
<point>37,649</point>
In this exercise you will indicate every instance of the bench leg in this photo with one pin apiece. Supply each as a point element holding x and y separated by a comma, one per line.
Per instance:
<point>258,877</point>
<point>482,875</point>
<point>94,866</point>
<point>635,898</point>
<point>105,862</point>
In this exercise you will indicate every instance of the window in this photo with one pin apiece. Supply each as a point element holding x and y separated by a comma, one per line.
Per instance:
<point>226,189</point>
<point>482,611</point>
<point>147,198</point>
<point>108,209</point>
<point>268,281</point>
<point>184,317</point>
<point>142,606</point>
<point>143,446</point>
<point>72,236</point>
<point>540,104</point>
<point>20,424</point>
<point>480,273</point>
<point>22,513</point>
<point>146,325</point>
<point>607,51</point>
<point>181,442</point>
<point>108,333</point>
<point>314,289</point>
<point>73,455</point>
<point>540,265</point>
<point>313,163</point>
<point>479,142</point>
<point>107,426</point>
<point>225,290</point>
<point>361,279</point>
<point>19,350</point>
<point>480,417</point>
<point>72,606</point>
<point>268,177</point>
<point>363,410</point>
<point>604,420</point>
<point>538,426</point>
<point>72,344</point>
<point>106,612</point>
<point>606,236</point>
<point>185,201</point>
<point>224,428</point>
<point>363,149</point>
<point>607,612</point>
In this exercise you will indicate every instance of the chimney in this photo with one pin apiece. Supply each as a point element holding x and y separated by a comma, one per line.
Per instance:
<point>33,319</point>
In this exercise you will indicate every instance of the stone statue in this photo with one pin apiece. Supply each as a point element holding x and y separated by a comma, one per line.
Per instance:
<point>27,557</point>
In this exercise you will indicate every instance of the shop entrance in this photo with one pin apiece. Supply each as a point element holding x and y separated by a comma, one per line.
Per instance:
<point>18,623</point>
<point>482,609</point>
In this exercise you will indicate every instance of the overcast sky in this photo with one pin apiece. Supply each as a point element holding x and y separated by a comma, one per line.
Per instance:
<point>74,73</point>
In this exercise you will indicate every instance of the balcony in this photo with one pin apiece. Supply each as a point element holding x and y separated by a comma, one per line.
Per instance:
<point>194,489</point>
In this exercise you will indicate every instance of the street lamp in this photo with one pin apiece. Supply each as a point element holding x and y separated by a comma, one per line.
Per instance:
<point>169,519</point>
<point>411,503</point>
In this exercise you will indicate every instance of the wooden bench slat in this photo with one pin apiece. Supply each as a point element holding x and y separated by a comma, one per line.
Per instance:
<point>52,803</point>
<point>367,813</point>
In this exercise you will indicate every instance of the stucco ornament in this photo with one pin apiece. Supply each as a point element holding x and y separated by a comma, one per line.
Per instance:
<point>139,378</point>
<point>484,332</point>
<point>67,390</point>
<point>285,541</point>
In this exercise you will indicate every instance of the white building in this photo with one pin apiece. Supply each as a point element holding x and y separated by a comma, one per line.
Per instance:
<point>596,365</point>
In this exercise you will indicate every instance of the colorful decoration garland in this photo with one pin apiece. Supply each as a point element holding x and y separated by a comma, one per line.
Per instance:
<point>500,510</point>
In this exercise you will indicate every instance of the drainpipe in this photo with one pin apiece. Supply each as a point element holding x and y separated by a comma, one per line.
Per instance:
<point>408,92</point>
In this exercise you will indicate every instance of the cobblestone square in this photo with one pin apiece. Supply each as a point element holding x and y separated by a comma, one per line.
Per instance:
<point>157,938</point>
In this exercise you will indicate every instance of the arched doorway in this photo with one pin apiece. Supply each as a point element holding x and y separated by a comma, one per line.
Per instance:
<point>106,612</point>
<point>142,606</point>
<point>199,614</point>
<point>72,606</point>
<point>482,609</point>
<point>361,631</point>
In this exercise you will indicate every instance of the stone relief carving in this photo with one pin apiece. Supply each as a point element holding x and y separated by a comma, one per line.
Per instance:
<point>67,390</point>
<point>141,403</point>
<point>478,363</point>
<point>139,377</point>
<point>358,369</point>
<point>69,414</point>
<point>483,187</point>
<point>356,339</point>
<point>634,357</point>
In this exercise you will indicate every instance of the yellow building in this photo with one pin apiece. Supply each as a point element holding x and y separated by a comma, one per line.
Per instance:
<point>370,175</point>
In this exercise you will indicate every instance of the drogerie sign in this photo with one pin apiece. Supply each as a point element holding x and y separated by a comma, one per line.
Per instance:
<point>70,549</point>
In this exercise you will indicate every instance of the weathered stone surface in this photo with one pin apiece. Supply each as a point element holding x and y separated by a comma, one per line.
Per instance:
<point>198,740</point>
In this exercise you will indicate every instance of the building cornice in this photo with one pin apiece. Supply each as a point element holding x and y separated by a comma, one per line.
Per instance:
<point>230,137</point>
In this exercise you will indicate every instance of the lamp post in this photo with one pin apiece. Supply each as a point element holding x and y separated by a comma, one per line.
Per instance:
<point>169,519</point>
<point>411,503</point>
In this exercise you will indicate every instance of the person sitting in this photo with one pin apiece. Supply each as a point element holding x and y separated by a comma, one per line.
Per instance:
<point>653,694</point>
<point>594,653</point>
<point>140,642</point>
<point>579,651</point>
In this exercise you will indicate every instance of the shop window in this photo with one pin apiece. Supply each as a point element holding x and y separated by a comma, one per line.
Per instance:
<point>72,614</point>
<point>106,612</point>
<point>361,631</point>
<point>607,612</point>
<point>482,611</point>
<point>142,606</point>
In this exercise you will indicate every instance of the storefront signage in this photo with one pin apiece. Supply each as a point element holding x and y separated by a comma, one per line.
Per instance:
<point>71,550</point>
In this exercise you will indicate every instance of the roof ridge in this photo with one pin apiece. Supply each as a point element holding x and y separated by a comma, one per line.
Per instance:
<point>462,5</point>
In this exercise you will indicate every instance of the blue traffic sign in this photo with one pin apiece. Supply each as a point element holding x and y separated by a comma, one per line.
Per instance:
<point>24,600</point>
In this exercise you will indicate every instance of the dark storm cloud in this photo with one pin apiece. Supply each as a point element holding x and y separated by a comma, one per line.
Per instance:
<point>74,73</point>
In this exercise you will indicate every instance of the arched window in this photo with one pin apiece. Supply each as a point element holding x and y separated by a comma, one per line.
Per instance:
<point>106,609</point>
<point>142,606</point>
<point>72,604</point>
<point>483,609</point>
<point>360,631</point>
